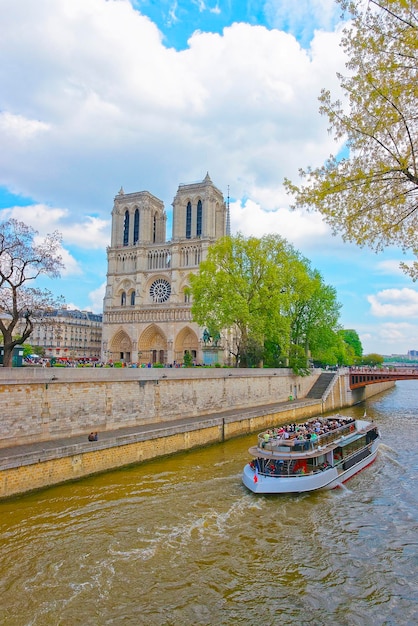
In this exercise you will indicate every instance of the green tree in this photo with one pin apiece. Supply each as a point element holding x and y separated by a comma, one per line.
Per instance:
<point>264,298</point>
<point>314,312</point>
<point>27,350</point>
<point>334,351</point>
<point>240,289</point>
<point>273,355</point>
<point>22,260</point>
<point>352,339</point>
<point>371,196</point>
<point>255,353</point>
<point>373,359</point>
<point>187,359</point>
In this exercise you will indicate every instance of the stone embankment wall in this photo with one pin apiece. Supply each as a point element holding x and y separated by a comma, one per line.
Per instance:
<point>44,404</point>
<point>213,407</point>
<point>50,466</point>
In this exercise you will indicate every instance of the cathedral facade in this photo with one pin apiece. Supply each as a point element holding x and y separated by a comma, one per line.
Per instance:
<point>147,309</point>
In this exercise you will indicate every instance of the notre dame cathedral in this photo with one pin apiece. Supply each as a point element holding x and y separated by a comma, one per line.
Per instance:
<point>147,310</point>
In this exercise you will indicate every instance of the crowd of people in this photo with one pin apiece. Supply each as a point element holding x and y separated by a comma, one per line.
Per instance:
<point>307,434</point>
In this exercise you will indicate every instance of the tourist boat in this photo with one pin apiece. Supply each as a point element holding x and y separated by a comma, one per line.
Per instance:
<point>322,453</point>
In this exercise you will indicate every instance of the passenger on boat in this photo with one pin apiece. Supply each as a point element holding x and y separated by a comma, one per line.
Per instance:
<point>283,434</point>
<point>266,439</point>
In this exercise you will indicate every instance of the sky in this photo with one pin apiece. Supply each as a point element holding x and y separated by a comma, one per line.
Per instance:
<point>148,94</point>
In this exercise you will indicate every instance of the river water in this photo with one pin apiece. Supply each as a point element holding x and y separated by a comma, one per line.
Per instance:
<point>179,541</point>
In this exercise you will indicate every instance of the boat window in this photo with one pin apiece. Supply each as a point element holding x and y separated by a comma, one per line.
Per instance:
<point>351,446</point>
<point>319,460</point>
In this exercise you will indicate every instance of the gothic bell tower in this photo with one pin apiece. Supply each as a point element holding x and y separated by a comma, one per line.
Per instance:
<point>137,217</point>
<point>199,212</point>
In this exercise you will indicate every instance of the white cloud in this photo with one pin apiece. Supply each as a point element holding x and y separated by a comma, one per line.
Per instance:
<point>390,338</point>
<point>91,233</point>
<point>397,338</point>
<point>299,228</point>
<point>96,298</point>
<point>394,303</point>
<point>396,332</point>
<point>216,10</point>
<point>40,217</point>
<point>45,220</point>
<point>124,109</point>
<point>201,5</point>
<point>71,265</point>
<point>391,267</point>
<point>19,128</point>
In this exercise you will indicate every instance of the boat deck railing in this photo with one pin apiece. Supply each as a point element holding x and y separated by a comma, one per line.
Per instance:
<point>291,468</point>
<point>277,443</point>
<point>287,470</point>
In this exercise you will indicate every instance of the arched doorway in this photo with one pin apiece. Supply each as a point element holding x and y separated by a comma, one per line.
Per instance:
<point>152,346</point>
<point>120,348</point>
<point>186,341</point>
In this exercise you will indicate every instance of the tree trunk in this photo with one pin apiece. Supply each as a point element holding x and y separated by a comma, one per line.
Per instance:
<point>7,357</point>
<point>8,345</point>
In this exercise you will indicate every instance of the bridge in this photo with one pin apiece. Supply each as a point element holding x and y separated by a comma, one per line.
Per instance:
<point>362,376</point>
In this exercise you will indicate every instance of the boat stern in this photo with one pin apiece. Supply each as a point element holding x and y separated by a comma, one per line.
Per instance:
<point>261,483</point>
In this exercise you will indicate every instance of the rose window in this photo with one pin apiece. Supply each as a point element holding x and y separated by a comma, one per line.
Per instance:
<point>160,290</point>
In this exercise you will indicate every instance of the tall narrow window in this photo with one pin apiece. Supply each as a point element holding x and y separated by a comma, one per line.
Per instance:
<point>199,219</point>
<point>133,298</point>
<point>123,299</point>
<point>154,229</point>
<point>189,221</point>
<point>136,226</point>
<point>126,229</point>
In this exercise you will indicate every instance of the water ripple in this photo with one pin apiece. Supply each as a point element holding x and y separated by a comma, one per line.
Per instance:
<point>180,541</point>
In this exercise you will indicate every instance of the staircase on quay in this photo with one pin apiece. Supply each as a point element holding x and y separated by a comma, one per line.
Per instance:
<point>322,384</point>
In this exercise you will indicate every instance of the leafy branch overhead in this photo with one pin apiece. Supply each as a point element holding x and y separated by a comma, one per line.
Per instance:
<point>371,195</point>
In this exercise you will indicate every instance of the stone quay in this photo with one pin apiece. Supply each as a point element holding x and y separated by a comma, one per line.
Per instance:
<point>141,414</point>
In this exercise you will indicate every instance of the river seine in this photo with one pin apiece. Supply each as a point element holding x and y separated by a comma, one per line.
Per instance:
<point>179,542</point>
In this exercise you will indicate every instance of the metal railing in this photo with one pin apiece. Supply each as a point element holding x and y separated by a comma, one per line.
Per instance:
<point>276,443</point>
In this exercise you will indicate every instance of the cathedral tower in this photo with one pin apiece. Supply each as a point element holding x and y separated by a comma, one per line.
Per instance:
<point>147,311</point>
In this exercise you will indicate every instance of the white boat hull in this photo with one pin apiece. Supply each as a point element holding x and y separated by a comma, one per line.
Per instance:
<point>327,479</point>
